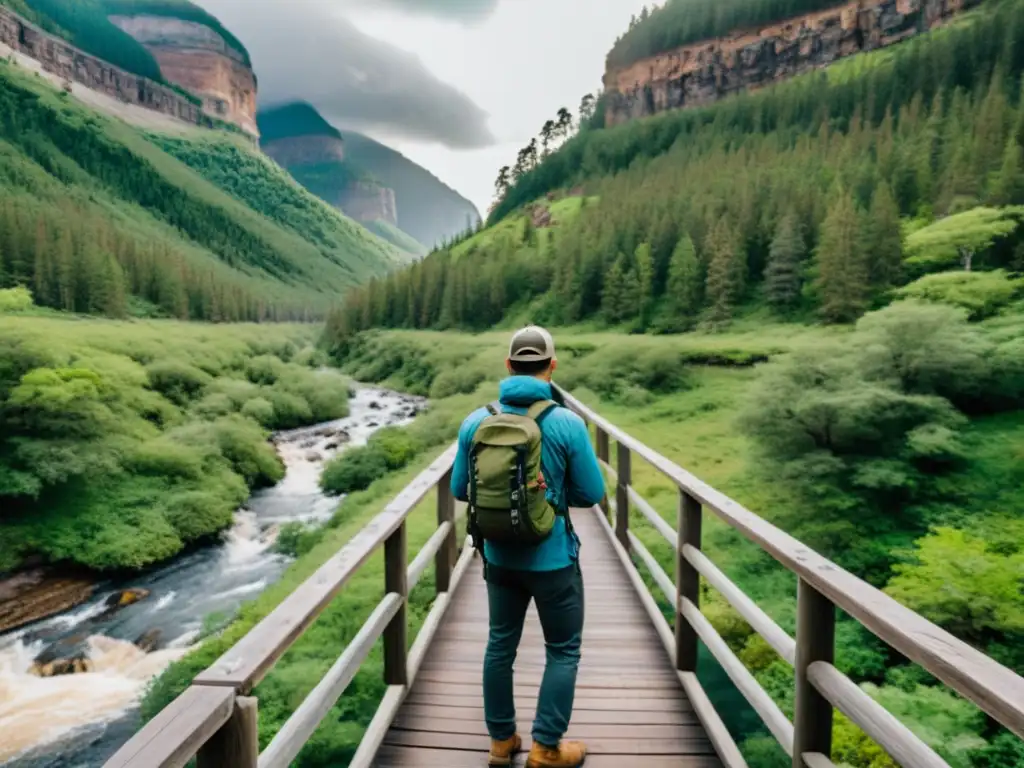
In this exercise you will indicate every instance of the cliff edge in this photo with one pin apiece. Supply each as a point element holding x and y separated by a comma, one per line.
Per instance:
<point>700,73</point>
<point>197,58</point>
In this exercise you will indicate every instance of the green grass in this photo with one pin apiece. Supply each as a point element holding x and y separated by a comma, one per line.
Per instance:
<point>396,237</point>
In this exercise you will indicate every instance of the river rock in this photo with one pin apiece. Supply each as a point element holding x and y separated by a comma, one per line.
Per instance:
<point>372,424</point>
<point>149,641</point>
<point>375,406</point>
<point>126,597</point>
<point>314,456</point>
<point>307,444</point>
<point>33,595</point>
<point>58,667</point>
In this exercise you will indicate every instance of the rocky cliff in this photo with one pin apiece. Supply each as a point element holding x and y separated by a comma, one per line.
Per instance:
<point>200,60</point>
<point>73,65</point>
<point>703,72</point>
<point>367,201</point>
<point>305,150</point>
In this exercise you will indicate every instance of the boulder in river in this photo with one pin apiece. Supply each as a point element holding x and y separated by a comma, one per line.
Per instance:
<point>375,406</point>
<point>33,595</point>
<point>314,456</point>
<point>149,641</point>
<point>126,597</point>
<point>58,667</point>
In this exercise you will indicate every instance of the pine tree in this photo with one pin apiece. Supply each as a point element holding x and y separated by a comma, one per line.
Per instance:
<point>725,272</point>
<point>685,284</point>
<point>621,292</point>
<point>782,274</point>
<point>883,240</point>
<point>645,284</point>
<point>842,273</point>
<point>1007,187</point>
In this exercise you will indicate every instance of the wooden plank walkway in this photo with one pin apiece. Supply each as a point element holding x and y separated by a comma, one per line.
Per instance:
<point>628,698</point>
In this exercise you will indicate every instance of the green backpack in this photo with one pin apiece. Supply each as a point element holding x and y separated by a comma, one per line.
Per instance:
<point>507,498</point>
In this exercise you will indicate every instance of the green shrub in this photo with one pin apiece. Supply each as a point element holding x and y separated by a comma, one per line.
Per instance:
<point>290,410</point>
<point>398,446</point>
<point>296,539</point>
<point>981,294</point>
<point>261,411</point>
<point>15,300</point>
<point>195,514</point>
<point>244,444</point>
<point>455,381</point>
<point>178,382</point>
<point>265,369</point>
<point>354,470</point>
<point>164,458</point>
<point>325,392</point>
<point>659,370</point>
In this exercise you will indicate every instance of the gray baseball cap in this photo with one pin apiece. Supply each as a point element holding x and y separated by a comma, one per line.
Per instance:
<point>531,344</point>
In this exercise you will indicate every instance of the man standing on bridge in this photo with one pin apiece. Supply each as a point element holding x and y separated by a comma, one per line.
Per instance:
<point>521,463</point>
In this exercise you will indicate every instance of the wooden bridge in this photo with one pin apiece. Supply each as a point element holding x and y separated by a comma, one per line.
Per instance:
<point>638,694</point>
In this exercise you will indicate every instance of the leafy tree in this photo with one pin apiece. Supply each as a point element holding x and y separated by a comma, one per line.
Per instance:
<point>782,278</point>
<point>963,587</point>
<point>547,134</point>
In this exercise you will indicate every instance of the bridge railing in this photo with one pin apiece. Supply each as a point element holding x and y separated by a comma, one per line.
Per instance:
<point>215,719</point>
<point>822,586</point>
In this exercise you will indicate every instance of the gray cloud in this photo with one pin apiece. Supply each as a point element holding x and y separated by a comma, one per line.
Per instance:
<point>462,10</point>
<point>302,50</point>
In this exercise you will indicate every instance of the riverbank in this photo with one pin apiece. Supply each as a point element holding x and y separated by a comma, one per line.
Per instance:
<point>81,719</point>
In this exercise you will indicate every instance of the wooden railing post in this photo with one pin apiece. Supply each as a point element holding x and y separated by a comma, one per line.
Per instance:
<point>446,556</point>
<point>815,641</point>
<point>687,580</point>
<point>237,743</point>
<point>395,580</point>
<point>604,455</point>
<point>622,494</point>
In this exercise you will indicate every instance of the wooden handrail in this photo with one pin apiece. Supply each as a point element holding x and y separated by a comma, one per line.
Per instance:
<point>994,688</point>
<point>823,586</point>
<point>215,719</point>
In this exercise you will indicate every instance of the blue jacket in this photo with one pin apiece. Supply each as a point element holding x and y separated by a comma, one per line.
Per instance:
<point>570,468</point>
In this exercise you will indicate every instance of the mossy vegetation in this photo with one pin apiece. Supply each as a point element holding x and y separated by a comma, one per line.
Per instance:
<point>122,443</point>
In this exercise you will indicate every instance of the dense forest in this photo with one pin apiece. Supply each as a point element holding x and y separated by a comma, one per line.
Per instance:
<point>679,22</point>
<point>94,213</point>
<point>428,210</point>
<point>817,197</point>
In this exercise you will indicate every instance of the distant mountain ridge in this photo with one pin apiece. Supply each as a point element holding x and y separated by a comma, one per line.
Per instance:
<point>360,175</point>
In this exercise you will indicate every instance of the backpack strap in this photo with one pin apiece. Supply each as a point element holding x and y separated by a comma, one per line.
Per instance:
<point>540,410</point>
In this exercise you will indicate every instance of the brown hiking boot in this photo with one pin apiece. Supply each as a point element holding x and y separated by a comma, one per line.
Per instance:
<point>568,754</point>
<point>502,752</point>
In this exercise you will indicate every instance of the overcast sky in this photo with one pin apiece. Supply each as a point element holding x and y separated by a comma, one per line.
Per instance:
<point>456,85</point>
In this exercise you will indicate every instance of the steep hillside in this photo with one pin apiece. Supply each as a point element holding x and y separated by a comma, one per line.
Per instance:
<point>363,177</point>
<point>93,212</point>
<point>667,60</point>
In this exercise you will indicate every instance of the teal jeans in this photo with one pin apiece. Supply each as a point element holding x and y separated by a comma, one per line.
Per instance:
<point>559,598</point>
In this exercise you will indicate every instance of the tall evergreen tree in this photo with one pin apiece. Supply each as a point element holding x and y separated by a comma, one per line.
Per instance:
<point>645,284</point>
<point>726,271</point>
<point>782,275</point>
<point>842,273</point>
<point>685,289</point>
<point>883,240</point>
<point>1008,185</point>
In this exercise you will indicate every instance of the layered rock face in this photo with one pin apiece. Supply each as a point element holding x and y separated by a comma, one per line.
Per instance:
<point>199,60</point>
<point>73,65</point>
<point>305,150</point>
<point>366,201</point>
<point>701,73</point>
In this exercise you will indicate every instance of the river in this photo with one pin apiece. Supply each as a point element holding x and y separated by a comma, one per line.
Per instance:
<point>79,721</point>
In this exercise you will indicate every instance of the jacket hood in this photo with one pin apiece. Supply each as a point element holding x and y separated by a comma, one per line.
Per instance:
<point>523,391</point>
